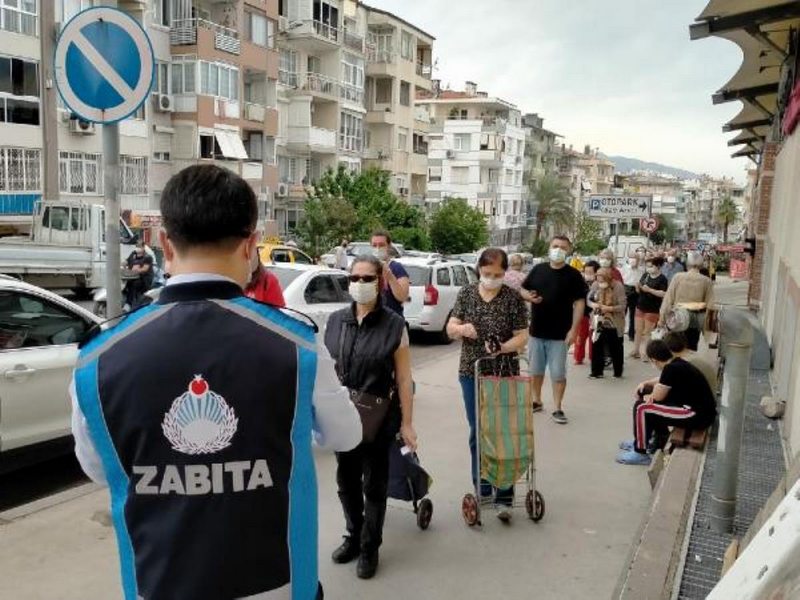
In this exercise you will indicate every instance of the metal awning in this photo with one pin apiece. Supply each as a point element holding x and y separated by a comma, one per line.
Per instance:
<point>230,144</point>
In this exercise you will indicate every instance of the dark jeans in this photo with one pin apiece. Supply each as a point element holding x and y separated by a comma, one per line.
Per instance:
<point>608,340</point>
<point>692,338</point>
<point>630,311</point>
<point>504,496</point>
<point>362,475</point>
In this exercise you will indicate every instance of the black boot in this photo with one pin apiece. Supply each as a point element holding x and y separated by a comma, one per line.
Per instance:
<point>347,552</point>
<point>367,565</point>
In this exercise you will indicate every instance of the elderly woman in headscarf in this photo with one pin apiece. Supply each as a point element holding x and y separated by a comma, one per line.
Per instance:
<point>691,291</point>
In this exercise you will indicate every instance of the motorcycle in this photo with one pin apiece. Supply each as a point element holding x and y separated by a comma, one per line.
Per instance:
<point>100,297</point>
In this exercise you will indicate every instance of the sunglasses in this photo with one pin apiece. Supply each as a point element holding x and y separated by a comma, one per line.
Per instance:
<point>364,278</point>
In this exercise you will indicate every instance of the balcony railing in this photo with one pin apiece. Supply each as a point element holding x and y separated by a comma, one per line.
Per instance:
<point>353,40</point>
<point>287,78</point>
<point>321,84</point>
<point>378,153</point>
<point>424,69</point>
<point>381,56</point>
<point>351,93</point>
<point>255,112</point>
<point>184,33</point>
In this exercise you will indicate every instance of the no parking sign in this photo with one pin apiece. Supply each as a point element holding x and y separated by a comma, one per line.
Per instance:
<point>104,65</point>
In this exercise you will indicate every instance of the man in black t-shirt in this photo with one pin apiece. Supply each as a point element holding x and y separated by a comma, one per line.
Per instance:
<point>141,263</point>
<point>557,294</point>
<point>680,397</point>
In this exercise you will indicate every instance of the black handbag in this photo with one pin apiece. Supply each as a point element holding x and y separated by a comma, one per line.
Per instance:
<point>371,408</point>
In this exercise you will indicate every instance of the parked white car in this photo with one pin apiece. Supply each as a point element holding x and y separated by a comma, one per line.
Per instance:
<point>312,290</point>
<point>357,249</point>
<point>434,287</point>
<point>39,335</point>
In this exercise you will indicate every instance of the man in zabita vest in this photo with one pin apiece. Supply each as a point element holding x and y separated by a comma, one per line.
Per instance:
<point>198,412</point>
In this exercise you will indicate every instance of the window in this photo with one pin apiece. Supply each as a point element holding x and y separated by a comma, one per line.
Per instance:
<point>493,175</point>
<point>509,177</point>
<point>162,78</point>
<point>19,91</point>
<point>133,175</point>
<point>327,15</point>
<point>162,12</point>
<point>351,132</point>
<point>443,276</point>
<point>184,74</point>
<point>19,16</point>
<point>405,93</point>
<point>287,69</point>
<point>352,88</point>
<point>208,146</point>
<point>322,290</point>
<point>220,80</point>
<point>20,170</point>
<point>459,175</point>
<point>254,145</point>
<point>460,276</point>
<point>80,173</point>
<point>407,46</point>
<point>402,139</point>
<point>420,144</point>
<point>383,91</point>
<point>30,322</point>
<point>261,30</point>
<point>70,8</point>
<point>435,174</point>
<point>161,156</point>
<point>462,141</point>
<point>139,113</point>
<point>518,178</point>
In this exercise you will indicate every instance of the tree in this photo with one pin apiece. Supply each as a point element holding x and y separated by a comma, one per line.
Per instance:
<point>352,205</point>
<point>457,228</point>
<point>666,232</point>
<point>727,213</point>
<point>588,234</point>
<point>554,206</point>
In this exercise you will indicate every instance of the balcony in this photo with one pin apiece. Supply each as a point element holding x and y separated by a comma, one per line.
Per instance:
<point>255,112</point>
<point>352,94</point>
<point>186,32</point>
<point>424,70</point>
<point>314,36</point>
<point>353,40</point>
<point>320,86</point>
<point>376,56</point>
<point>488,190</point>
<point>312,139</point>
<point>381,153</point>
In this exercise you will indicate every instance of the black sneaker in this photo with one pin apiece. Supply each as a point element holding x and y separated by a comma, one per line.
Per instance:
<point>593,376</point>
<point>560,418</point>
<point>538,407</point>
<point>367,565</point>
<point>347,552</point>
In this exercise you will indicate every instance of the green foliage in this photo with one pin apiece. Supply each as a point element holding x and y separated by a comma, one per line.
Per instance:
<point>667,230</point>
<point>346,205</point>
<point>727,212</point>
<point>554,206</point>
<point>457,228</point>
<point>538,248</point>
<point>588,235</point>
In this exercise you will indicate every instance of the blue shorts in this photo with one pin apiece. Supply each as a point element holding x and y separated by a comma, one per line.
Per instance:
<point>548,354</point>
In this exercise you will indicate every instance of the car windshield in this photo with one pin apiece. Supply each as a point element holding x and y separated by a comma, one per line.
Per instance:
<point>420,276</point>
<point>285,276</point>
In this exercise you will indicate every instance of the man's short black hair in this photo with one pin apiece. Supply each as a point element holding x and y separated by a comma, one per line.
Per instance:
<point>657,261</point>
<point>562,238</point>
<point>658,350</point>
<point>384,234</point>
<point>491,256</point>
<point>676,341</point>
<point>594,264</point>
<point>206,205</point>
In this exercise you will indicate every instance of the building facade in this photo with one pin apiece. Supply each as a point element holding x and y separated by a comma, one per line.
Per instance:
<point>476,152</point>
<point>541,154</point>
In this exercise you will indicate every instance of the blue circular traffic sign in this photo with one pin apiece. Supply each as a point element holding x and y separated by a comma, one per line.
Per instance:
<point>104,65</point>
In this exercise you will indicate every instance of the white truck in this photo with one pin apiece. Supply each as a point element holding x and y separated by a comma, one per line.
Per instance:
<point>66,248</point>
<point>627,245</point>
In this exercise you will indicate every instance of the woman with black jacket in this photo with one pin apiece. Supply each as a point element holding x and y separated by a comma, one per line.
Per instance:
<point>370,346</point>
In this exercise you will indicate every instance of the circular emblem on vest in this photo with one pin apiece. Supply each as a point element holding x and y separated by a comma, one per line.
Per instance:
<point>199,420</point>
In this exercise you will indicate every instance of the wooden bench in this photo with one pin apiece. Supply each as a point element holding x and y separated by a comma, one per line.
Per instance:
<point>691,438</point>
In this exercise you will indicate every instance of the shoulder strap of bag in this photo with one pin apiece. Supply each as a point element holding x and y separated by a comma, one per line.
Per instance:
<point>340,363</point>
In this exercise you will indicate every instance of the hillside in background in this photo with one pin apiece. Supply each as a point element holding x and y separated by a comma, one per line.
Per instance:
<point>626,165</point>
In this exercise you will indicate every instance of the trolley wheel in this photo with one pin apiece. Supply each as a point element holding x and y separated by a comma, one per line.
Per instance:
<point>470,510</point>
<point>534,504</point>
<point>424,513</point>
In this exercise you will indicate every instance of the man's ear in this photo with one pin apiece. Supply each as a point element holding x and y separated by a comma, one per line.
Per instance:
<point>166,244</point>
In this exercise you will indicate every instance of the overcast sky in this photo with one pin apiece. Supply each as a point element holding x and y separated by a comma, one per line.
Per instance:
<point>622,76</point>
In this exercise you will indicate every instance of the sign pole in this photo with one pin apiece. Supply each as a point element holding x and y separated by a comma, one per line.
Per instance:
<point>616,241</point>
<point>111,180</point>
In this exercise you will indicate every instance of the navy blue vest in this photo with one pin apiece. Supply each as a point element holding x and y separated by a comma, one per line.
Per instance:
<point>200,407</point>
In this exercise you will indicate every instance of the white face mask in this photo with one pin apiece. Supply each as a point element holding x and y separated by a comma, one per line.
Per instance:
<point>670,259</point>
<point>382,254</point>
<point>605,263</point>
<point>363,293</point>
<point>490,283</point>
<point>603,286</point>
<point>557,255</point>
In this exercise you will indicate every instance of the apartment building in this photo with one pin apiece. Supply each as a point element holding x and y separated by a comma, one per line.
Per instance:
<point>399,69</point>
<point>476,152</point>
<point>703,196</point>
<point>213,100</point>
<point>668,199</point>
<point>584,173</point>
<point>321,81</point>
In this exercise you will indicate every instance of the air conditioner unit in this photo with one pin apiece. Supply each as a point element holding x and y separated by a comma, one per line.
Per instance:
<point>283,23</point>
<point>283,190</point>
<point>165,103</point>
<point>82,127</point>
<point>451,154</point>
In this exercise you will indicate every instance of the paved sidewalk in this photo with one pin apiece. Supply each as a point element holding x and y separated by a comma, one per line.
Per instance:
<point>594,506</point>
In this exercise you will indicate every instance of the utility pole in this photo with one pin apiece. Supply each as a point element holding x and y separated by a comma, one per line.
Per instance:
<point>111,183</point>
<point>49,111</point>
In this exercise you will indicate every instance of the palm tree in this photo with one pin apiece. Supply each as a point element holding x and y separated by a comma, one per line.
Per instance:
<point>554,205</point>
<point>727,212</point>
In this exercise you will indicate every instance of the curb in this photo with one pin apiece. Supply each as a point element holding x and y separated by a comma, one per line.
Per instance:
<point>25,510</point>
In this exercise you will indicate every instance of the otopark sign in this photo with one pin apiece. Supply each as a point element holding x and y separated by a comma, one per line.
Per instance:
<point>622,206</point>
<point>104,65</point>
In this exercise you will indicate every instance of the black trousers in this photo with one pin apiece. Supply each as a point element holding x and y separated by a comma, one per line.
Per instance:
<point>611,342</point>
<point>651,422</point>
<point>630,310</point>
<point>362,475</point>
<point>692,338</point>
